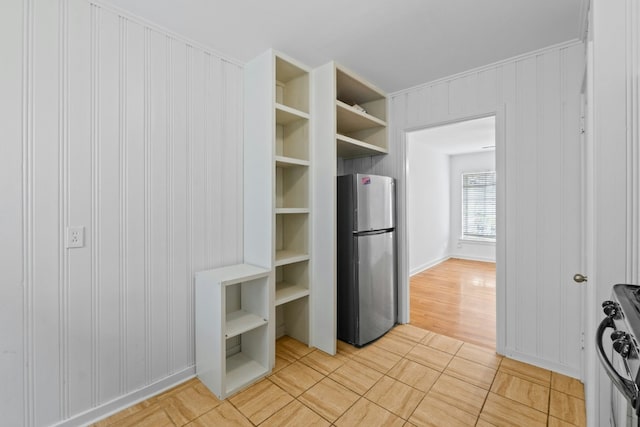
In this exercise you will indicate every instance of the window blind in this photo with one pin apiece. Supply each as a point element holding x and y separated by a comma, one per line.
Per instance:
<point>479,205</point>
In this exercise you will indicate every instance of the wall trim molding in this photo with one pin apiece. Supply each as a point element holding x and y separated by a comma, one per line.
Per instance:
<point>427,265</point>
<point>105,4</point>
<point>122,402</point>
<point>542,363</point>
<point>527,55</point>
<point>433,263</point>
<point>473,258</point>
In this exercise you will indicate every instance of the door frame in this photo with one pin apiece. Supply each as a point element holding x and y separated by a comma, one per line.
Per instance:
<point>501,230</point>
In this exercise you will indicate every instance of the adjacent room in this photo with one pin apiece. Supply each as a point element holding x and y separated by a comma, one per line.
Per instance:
<point>286,213</point>
<point>452,229</point>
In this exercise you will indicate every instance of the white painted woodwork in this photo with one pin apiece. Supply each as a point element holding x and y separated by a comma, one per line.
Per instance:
<point>111,124</point>
<point>323,242</point>
<point>539,308</point>
<point>232,302</point>
<point>16,292</point>
<point>612,233</point>
<point>278,210</point>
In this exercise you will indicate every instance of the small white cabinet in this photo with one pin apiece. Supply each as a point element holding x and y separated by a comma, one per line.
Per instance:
<point>232,334</point>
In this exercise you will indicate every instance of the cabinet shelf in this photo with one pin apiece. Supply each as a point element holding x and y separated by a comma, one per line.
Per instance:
<point>292,84</point>
<point>241,370</point>
<point>349,148</point>
<point>289,257</point>
<point>288,162</point>
<point>286,115</point>
<point>292,187</point>
<point>353,89</point>
<point>352,120</point>
<point>287,292</point>
<point>239,322</point>
<point>285,211</point>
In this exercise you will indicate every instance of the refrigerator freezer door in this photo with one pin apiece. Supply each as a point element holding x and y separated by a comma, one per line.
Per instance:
<point>377,306</point>
<point>375,197</point>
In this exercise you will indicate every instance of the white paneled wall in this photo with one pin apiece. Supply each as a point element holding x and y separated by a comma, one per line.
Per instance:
<point>135,134</point>
<point>538,100</point>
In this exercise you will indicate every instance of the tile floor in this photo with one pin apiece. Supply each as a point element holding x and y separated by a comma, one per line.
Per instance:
<point>410,377</point>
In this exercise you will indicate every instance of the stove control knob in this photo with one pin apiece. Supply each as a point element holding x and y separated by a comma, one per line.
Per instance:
<point>616,335</point>
<point>622,346</point>
<point>611,310</point>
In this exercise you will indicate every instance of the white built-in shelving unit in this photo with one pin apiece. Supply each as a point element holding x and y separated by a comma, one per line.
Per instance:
<point>350,121</point>
<point>278,212</point>
<point>232,327</point>
<point>292,141</point>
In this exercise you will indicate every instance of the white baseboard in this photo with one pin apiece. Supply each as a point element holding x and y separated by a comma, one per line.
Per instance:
<point>122,402</point>
<point>473,258</point>
<point>545,364</point>
<point>428,265</point>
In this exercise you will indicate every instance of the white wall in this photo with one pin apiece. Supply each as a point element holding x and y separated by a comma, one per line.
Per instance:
<point>459,164</point>
<point>539,94</point>
<point>427,206</point>
<point>136,135</point>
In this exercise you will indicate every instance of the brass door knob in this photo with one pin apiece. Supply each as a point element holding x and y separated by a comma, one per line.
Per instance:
<point>579,278</point>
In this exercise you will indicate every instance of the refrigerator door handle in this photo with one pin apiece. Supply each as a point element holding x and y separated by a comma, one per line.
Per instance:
<point>372,232</point>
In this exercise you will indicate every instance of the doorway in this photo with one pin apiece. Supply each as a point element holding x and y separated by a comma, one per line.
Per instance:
<point>451,225</point>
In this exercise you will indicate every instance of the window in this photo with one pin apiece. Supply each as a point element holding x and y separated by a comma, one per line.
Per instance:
<point>479,206</point>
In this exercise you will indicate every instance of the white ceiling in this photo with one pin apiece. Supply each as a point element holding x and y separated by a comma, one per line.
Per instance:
<point>394,44</point>
<point>471,136</point>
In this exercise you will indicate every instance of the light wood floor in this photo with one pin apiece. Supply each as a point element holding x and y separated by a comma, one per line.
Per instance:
<point>409,377</point>
<point>457,298</point>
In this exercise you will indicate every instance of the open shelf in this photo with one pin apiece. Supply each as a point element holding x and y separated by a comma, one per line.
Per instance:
<point>286,115</point>
<point>349,148</point>
<point>352,120</point>
<point>292,141</point>
<point>285,211</point>
<point>292,319</point>
<point>240,321</point>
<point>292,282</point>
<point>286,292</point>
<point>288,162</point>
<point>284,257</point>
<point>361,116</point>
<point>352,89</point>
<point>292,187</point>
<point>292,85</point>
<point>241,370</point>
<point>292,234</point>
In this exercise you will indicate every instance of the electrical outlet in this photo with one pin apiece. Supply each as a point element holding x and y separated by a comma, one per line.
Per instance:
<point>75,237</point>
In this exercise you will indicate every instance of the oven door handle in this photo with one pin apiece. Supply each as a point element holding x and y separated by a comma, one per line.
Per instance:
<point>625,386</point>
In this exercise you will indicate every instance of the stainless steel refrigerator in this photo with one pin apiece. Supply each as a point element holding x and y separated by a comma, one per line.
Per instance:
<point>367,291</point>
